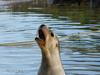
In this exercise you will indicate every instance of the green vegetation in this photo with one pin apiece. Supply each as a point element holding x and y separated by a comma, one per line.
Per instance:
<point>84,15</point>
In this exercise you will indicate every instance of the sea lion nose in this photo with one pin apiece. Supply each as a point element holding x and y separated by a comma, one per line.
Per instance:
<point>42,26</point>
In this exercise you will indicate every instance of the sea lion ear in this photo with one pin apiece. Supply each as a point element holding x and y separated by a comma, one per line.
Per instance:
<point>56,44</point>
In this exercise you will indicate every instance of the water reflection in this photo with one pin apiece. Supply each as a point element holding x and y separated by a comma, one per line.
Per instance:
<point>20,55</point>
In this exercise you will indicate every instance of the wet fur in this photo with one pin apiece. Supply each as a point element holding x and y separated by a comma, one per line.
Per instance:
<point>49,44</point>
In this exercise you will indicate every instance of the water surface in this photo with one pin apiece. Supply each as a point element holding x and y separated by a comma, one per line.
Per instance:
<point>20,55</point>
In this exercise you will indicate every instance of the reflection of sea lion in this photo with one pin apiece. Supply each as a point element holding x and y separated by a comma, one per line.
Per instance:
<point>48,42</point>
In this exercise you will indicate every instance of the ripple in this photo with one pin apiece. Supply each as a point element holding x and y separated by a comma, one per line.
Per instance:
<point>20,55</point>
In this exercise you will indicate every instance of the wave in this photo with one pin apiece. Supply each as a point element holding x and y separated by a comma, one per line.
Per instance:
<point>21,43</point>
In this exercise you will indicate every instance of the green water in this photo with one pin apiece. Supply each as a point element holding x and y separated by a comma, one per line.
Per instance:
<point>78,31</point>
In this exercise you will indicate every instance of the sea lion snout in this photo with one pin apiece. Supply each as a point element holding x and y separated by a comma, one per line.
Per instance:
<point>42,26</point>
<point>43,31</point>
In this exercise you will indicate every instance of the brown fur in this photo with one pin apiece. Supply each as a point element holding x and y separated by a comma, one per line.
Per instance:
<point>48,42</point>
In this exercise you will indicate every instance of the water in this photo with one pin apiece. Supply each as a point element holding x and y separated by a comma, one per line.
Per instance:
<point>20,55</point>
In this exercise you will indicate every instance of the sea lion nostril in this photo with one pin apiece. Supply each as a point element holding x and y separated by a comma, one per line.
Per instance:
<point>42,25</point>
<point>41,35</point>
<point>36,38</point>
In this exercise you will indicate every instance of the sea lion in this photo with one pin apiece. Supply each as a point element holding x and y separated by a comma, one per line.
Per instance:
<point>49,44</point>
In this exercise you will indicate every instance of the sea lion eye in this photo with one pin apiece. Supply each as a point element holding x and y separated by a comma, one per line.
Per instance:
<point>52,34</point>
